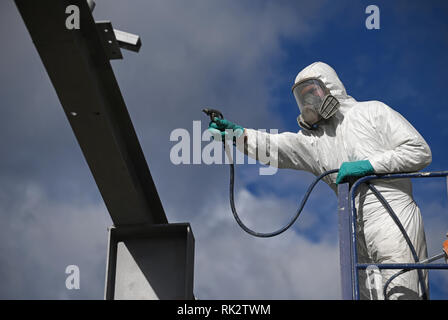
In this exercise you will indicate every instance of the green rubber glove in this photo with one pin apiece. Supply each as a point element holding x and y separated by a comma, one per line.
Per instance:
<point>219,127</point>
<point>354,169</point>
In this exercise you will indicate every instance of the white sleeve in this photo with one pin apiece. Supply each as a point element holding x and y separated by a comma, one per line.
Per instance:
<point>406,150</point>
<point>284,150</point>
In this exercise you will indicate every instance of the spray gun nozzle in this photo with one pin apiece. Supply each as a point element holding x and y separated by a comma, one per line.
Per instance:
<point>213,113</point>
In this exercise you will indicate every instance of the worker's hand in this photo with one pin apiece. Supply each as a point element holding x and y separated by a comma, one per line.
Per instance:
<point>219,126</point>
<point>354,169</point>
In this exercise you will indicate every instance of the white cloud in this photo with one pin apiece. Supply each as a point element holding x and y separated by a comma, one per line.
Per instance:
<point>42,236</point>
<point>230,264</point>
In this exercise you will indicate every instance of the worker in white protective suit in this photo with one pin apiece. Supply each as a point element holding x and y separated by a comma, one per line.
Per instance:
<point>359,138</point>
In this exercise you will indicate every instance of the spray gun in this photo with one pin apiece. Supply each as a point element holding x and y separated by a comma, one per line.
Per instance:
<point>213,113</point>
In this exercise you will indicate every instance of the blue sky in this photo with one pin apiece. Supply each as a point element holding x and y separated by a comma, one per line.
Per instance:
<point>239,57</point>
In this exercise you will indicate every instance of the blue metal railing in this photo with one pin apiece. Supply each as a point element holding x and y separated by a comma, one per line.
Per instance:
<point>350,208</point>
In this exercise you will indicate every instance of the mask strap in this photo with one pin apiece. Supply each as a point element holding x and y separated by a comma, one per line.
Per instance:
<point>303,124</point>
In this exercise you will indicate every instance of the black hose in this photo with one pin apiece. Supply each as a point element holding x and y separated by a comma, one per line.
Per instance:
<point>290,223</point>
<point>399,273</point>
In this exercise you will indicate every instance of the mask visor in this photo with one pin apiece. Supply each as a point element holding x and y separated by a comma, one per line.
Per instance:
<point>309,93</point>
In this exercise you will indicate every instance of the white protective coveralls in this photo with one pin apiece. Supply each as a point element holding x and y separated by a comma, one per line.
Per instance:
<point>371,131</point>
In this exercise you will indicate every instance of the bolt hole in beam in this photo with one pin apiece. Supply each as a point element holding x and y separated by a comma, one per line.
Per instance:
<point>114,39</point>
<point>107,36</point>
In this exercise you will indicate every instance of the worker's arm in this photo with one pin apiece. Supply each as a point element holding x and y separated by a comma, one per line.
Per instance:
<point>284,150</point>
<point>408,151</point>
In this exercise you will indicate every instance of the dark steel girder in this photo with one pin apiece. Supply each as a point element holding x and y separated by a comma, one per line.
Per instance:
<point>82,76</point>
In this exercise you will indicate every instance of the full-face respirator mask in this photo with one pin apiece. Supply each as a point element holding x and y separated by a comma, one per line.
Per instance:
<point>315,102</point>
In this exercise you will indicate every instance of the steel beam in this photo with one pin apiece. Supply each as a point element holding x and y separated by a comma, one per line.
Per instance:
<point>82,76</point>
